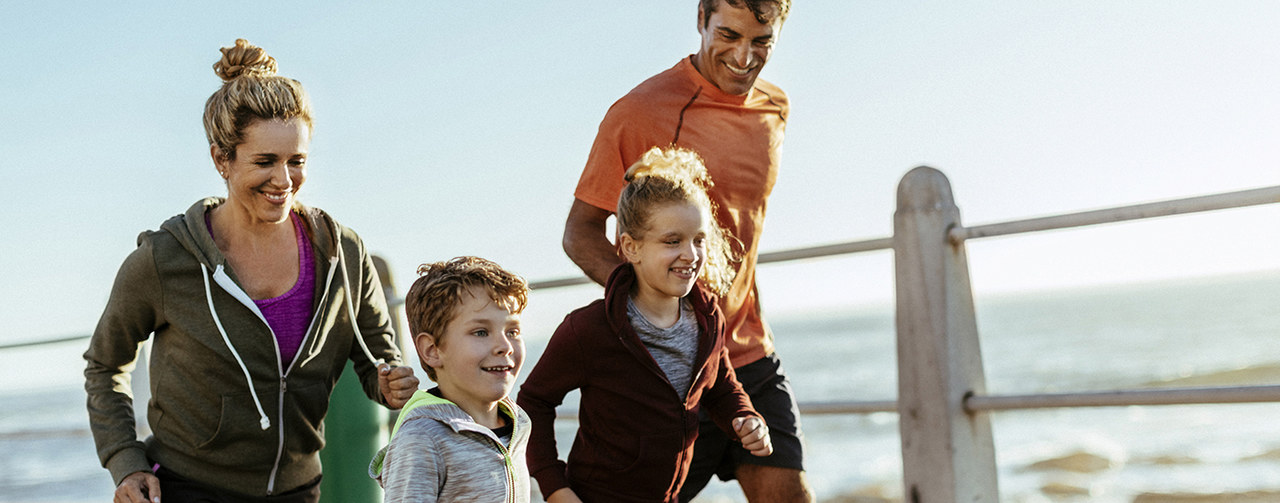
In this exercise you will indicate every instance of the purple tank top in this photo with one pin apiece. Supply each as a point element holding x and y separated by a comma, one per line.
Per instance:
<point>289,315</point>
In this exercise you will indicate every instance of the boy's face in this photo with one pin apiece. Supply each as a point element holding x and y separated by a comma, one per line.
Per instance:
<point>479,354</point>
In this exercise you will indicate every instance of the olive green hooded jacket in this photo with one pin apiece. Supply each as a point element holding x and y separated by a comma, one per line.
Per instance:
<point>224,410</point>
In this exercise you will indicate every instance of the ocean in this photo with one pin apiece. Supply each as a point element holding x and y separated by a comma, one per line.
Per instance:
<point>1211,331</point>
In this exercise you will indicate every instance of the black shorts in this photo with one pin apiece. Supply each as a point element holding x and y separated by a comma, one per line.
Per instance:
<point>714,453</point>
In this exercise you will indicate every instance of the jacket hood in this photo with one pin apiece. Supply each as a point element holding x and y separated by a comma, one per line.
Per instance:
<point>192,232</point>
<point>426,406</point>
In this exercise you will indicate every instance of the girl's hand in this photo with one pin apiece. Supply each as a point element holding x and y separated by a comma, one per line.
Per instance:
<point>754,435</point>
<point>564,495</point>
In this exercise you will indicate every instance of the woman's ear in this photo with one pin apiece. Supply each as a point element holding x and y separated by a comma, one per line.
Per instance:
<point>428,349</point>
<point>629,247</point>
<point>220,161</point>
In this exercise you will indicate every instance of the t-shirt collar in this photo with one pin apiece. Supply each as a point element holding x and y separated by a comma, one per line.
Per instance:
<point>709,89</point>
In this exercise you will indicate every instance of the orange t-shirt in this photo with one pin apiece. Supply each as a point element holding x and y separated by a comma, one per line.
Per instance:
<point>738,136</point>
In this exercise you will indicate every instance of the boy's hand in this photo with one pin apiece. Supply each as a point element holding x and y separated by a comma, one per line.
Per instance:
<point>754,435</point>
<point>397,384</point>
<point>564,495</point>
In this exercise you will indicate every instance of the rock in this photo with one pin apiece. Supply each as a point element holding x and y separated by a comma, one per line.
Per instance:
<point>1063,489</point>
<point>1271,455</point>
<point>1079,462</point>
<point>1167,460</point>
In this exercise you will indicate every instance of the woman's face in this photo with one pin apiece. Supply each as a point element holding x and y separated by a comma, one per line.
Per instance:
<point>268,169</point>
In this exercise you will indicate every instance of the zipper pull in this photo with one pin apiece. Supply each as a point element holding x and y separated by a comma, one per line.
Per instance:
<point>284,385</point>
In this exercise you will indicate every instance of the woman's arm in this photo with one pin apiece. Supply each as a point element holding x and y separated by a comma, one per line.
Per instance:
<point>131,315</point>
<point>382,374</point>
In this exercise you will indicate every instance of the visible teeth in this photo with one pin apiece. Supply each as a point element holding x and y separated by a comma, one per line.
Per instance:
<point>274,197</point>
<point>739,71</point>
<point>497,369</point>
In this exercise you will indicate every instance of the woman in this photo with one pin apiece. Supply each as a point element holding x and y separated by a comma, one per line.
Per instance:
<point>256,302</point>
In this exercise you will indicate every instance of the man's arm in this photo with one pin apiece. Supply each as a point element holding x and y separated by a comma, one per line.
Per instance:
<point>586,244</point>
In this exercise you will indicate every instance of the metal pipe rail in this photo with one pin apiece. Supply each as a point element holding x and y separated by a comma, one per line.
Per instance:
<point>1225,200</point>
<point>819,251</point>
<point>1124,398</point>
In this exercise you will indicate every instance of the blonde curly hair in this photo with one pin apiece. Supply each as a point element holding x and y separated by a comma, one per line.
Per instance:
<point>676,175</point>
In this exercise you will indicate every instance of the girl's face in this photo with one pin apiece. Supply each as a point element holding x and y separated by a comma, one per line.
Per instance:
<point>269,168</point>
<point>670,256</point>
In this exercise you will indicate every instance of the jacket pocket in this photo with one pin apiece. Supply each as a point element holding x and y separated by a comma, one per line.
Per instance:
<point>305,407</point>
<point>238,427</point>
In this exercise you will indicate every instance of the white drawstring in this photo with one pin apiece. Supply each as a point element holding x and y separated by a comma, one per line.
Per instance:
<point>208,295</point>
<point>351,312</point>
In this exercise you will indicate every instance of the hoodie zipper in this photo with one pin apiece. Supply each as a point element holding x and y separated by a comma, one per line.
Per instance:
<point>225,282</point>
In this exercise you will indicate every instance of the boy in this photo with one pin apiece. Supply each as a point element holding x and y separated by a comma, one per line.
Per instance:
<point>463,440</point>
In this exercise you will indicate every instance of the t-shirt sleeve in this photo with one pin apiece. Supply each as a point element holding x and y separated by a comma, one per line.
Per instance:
<point>622,138</point>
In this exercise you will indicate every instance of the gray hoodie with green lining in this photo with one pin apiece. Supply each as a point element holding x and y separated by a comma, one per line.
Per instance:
<point>439,454</point>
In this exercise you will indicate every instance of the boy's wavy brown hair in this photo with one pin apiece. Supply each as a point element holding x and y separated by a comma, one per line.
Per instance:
<point>432,299</point>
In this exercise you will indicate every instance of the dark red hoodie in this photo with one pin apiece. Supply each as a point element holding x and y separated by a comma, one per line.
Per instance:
<point>635,435</point>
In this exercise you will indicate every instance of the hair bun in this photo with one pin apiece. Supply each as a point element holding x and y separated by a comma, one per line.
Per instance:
<point>244,59</point>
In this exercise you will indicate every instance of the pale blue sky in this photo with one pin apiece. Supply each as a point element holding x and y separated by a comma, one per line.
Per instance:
<point>449,128</point>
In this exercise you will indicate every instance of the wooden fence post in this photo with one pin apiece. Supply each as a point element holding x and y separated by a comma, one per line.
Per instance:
<point>947,453</point>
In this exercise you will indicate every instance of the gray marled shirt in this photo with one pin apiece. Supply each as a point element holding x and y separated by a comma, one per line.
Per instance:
<point>674,348</point>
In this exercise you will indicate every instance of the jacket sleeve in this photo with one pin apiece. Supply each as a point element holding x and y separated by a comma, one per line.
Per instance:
<point>372,315</point>
<point>726,400</point>
<point>133,312</point>
<point>560,370</point>
<point>413,469</point>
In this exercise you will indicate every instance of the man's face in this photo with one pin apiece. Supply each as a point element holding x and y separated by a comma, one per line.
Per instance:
<point>735,46</point>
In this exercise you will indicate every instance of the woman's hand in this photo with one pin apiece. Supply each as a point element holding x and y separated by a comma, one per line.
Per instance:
<point>136,487</point>
<point>754,435</point>
<point>397,384</point>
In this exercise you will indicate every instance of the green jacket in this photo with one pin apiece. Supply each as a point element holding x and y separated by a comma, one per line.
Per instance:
<point>224,409</point>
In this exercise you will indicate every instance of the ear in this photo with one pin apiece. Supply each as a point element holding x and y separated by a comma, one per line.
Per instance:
<point>428,349</point>
<point>630,248</point>
<point>702,15</point>
<point>219,161</point>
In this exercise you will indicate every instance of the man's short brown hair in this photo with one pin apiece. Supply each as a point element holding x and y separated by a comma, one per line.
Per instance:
<point>760,8</point>
<point>440,288</point>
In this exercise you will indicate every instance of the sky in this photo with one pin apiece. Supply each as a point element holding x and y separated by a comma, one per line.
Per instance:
<point>460,128</point>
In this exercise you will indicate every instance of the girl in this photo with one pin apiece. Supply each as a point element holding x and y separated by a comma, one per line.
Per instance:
<point>649,355</point>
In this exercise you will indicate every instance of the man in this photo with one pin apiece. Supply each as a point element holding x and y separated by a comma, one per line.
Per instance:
<point>712,103</point>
